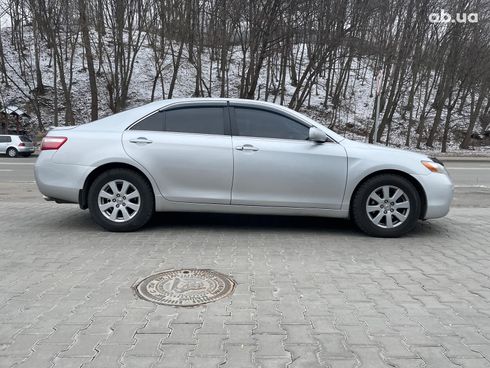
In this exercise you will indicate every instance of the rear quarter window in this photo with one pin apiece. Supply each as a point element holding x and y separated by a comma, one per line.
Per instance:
<point>154,122</point>
<point>5,139</point>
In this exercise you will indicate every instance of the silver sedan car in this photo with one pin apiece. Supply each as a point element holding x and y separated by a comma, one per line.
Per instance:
<point>235,156</point>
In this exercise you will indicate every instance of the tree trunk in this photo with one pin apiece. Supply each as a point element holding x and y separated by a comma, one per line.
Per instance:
<point>39,77</point>
<point>465,144</point>
<point>3,69</point>
<point>176,65</point>
<point>94,99</point>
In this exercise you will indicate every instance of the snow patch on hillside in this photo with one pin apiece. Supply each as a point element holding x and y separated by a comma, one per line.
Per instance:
<point>353,118</point>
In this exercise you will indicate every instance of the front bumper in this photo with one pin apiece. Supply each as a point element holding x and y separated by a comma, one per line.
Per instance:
<point>439,191</point>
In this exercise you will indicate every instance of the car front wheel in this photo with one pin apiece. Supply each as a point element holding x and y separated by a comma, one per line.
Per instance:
<point>386,205</point>
<point>121,200</point>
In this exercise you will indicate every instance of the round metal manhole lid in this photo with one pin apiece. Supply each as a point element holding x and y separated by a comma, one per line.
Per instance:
<point>185,287</point>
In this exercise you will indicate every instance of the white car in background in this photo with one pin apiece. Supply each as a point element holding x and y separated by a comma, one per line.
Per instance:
<point>235,156</point>
<point>14,145</point>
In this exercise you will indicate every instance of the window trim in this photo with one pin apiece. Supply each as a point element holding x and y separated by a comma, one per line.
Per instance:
<point>171,107</point>
<point>234,127</point>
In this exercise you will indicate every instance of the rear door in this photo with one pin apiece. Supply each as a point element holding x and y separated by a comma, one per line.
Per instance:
<point>188,152</point>
<point>276,164</point>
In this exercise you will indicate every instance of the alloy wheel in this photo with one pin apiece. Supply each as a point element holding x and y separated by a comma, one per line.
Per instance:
<point>119,200</point>
<point>388,206</point>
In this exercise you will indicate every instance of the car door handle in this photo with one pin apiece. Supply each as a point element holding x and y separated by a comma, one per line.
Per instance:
<point>142,140</point>
<point>246,147</point>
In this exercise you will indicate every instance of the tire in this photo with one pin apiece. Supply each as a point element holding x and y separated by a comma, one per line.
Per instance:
<point>12,152</point>
<point>386,213</point>
<point>108,194</point>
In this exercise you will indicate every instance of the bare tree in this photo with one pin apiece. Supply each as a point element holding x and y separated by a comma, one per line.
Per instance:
<point>84,27</point>
<point>296,53</point>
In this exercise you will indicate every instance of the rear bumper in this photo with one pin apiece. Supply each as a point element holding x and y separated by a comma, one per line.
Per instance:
<point>439,191</point>
<point>26,149</point>
<point>59,181</point>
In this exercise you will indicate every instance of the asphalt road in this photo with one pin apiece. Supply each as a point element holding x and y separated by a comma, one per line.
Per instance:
<point>471,179</point>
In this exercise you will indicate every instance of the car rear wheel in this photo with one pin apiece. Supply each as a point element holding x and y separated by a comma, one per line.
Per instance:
<point>12,152</point>
<point>121,200</point>
<point>386,205</point>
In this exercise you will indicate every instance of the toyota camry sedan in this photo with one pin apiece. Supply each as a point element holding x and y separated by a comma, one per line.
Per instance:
<point>235,156</point>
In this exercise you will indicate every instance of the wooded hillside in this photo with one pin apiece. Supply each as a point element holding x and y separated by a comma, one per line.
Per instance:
<point>317,56</point>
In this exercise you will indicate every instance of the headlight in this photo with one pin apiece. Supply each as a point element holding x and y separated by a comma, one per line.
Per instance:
<point>434,167</point>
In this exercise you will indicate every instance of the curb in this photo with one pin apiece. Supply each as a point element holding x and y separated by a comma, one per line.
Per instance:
<point>463,159</point>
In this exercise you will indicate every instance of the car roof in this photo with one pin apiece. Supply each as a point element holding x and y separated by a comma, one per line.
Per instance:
<point>121,121</point>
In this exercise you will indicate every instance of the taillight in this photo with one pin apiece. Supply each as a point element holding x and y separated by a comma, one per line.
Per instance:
<point>22,144</point>
<point>52,143</point>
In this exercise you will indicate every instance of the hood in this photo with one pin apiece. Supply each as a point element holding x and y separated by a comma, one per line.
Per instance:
<point>385,152</point>
<point>366,158</point>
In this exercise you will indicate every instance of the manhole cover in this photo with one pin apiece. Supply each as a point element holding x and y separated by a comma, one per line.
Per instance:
<point>185,287</point>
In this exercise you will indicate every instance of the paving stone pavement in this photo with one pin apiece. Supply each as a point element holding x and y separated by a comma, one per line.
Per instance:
<point>311,292</point>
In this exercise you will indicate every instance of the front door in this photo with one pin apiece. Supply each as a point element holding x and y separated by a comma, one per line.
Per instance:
<point>276,164</point>
<point>4,142</point>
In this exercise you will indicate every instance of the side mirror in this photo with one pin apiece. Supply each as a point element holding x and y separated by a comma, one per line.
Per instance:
<point>317,135</point>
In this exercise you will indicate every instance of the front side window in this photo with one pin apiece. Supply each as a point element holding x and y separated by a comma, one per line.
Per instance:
<point>201,120</point>
<point>265,124</point>
<point>153,122</point>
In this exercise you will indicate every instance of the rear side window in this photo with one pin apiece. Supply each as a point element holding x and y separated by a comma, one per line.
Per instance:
<point>266,124</point>
<point>5,139</point>
<point>201,120</point>
<point>25,139</point>
<point>153,122</point>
